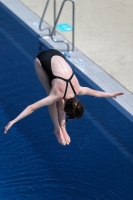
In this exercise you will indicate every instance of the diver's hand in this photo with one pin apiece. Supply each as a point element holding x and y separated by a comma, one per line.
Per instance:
<point>8,126</point>
<point>115,94</point>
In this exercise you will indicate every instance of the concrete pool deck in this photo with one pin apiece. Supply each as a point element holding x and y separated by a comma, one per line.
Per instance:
<point>103,32</point>
<point>92,73</point>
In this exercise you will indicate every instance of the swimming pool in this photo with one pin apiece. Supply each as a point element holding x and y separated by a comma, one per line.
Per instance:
<point>97,165</point>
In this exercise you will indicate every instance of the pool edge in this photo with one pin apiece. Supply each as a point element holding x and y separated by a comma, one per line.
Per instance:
<point>89,73</point>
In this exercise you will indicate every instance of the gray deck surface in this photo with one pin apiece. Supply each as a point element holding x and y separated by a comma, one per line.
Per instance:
<point>103,33</point>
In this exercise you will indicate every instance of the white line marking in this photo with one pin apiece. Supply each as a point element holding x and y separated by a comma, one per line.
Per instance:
<point>36,25</point>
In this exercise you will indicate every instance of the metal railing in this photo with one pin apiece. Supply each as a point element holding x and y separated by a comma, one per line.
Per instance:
<point>53,33</point>
<point>41,21</point>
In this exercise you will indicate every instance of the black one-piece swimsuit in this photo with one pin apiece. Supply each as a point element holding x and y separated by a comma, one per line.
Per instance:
<point>45,59</point>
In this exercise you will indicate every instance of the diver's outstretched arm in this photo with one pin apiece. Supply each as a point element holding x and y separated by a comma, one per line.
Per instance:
<point>27,111</point>
<point>95,93</point>
<point>30,109</point>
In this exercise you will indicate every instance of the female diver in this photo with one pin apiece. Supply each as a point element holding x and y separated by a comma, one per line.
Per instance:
<point>61,86</point>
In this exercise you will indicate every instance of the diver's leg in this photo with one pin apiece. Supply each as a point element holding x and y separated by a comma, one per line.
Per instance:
<point>62,120</point>
<point>52,108</point>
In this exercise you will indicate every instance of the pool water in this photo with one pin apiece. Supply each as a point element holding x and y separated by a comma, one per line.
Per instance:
<point>33,165</point>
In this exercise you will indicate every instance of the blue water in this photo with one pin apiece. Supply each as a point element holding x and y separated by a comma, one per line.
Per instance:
<point>97,165</point>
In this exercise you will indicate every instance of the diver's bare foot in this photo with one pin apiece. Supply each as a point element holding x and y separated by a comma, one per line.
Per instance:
<point>60,137</point>
<point>66,136</point>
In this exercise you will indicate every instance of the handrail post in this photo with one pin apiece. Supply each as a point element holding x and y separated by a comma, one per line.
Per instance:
<point>54,13</point>
<point>73,23</point>
<point>53,33</point>
<point>40,24</point>
<point>56,21</point>
<point>55,27</point>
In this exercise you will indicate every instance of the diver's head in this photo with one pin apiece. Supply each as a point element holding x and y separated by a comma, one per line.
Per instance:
<point>73,108</point>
